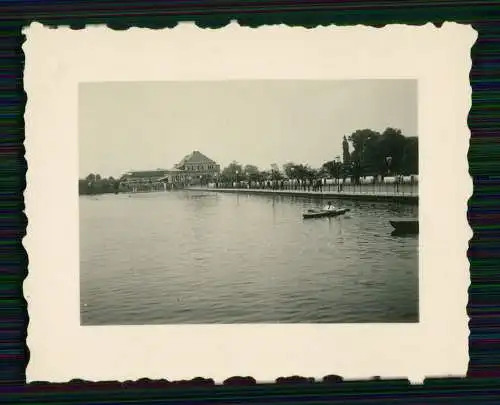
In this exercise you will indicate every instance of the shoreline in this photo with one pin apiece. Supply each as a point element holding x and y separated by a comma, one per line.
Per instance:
<point>360,196</point>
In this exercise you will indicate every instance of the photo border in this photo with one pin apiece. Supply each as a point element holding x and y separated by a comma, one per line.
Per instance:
<point>436,57</point>
<point>483,161</point>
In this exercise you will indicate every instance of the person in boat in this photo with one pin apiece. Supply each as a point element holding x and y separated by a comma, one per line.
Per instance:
<point>330,206</point>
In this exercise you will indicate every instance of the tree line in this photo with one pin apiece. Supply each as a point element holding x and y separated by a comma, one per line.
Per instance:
<point>373,154</point>
<point>386,153</point>
<point>95,184</point>
<point>365,152</point>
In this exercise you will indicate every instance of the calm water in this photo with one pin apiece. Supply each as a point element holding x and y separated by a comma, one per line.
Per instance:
<point>202,257</point>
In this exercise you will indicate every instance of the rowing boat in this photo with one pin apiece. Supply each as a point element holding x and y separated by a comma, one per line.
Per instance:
<point>321,213</point>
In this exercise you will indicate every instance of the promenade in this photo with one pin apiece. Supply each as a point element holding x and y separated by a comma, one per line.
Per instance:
<point>403,194</point>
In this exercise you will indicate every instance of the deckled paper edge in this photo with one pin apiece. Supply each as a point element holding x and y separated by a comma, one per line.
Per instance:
<point>50,361</point>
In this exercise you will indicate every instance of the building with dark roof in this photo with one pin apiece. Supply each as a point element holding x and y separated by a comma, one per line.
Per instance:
<point>196,162</point>
<point>195,168</point>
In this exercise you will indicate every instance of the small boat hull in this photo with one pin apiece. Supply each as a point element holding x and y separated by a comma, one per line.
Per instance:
<point>324,213</point>
<point>405,226</point>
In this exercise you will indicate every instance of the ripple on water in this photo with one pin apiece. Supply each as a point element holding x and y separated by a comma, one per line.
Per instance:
<point>210,258</point>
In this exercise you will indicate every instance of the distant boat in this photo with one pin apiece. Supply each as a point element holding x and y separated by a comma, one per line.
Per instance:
<point>321,213</point>
<point>405,225</point>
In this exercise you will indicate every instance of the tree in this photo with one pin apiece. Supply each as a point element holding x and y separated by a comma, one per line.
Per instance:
<point>329,168</point>
<point>346,155</point>
<point>356,171</point>
<point>251,169</point>
<point>298,171</point>
<point>289,169</point>
<point>371,149</point>
<point>265,175</point>
<point>374,149</point>
<point>95,184</point>
<point>232,171</point>
<point>275,172</point>
<point>252,172</point>
<point>83,186</point>
<point>91,183</point>
<point>333,168</point>
<point>117,184</point>
<point>394,145</point>
<point>359,140</point>
<point>409,161</point>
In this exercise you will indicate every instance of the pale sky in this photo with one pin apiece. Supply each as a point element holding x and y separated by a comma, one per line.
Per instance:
<point>148,125</point>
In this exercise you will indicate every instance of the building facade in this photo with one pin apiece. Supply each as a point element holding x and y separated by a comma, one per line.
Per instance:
<point>193,169</point>
<point>198,168</point>
<point>143,180</point>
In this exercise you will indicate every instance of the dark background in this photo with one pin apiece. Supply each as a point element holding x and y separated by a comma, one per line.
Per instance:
<point>481,385</point>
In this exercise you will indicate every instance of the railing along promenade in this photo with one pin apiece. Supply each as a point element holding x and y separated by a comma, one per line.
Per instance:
<point>404,193</point>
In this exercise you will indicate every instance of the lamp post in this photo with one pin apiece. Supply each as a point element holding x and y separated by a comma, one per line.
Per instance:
<point>337,171</point>
<point>388,161</point>
<point>351,173</point>
<point>237,178</point>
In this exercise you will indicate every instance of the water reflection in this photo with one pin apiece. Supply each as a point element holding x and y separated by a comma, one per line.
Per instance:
<point>400,234</point>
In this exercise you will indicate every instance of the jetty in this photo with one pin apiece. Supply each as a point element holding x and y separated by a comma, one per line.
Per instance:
<point>359,195</point>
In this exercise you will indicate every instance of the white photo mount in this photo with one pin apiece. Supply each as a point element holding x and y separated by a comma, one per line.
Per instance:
<point>57,60</point>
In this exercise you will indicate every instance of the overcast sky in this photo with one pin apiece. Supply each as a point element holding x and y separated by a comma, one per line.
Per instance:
<point>150,125</point>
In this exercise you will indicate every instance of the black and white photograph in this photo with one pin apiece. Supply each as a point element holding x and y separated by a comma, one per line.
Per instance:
<point>299,193</point>
<point>256,201</point>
